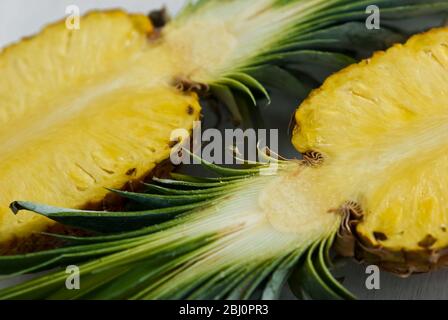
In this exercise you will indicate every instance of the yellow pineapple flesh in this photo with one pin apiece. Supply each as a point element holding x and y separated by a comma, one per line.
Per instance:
<point>82,110</point>
<point>382,128</point>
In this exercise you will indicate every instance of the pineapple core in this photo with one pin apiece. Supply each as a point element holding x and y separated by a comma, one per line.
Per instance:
<point>79,114</point>
<point>382,128</point>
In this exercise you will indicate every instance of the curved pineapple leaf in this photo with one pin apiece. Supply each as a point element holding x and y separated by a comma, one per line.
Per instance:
<point>50,284</point>
<point>254,277</point>
<point>333,60</point>
<point>144,264</point>
<point>156,201</point>
<point>313,279</point>
<point>321,265</point>
<point>226,96</point>
<point>164,212</point>
<point>333,31</point>
<point>280,277</point>
<point>275,77</point>
<point>230,172</point>
<point>348,37</point>
<point>238,85</point>
<point>34,262</point>
<point>189,185</point>
<point>107,222</point>
<point>306,278</point>
<point>167,191</point>
<point>251,82</point>
<point>187,178</point>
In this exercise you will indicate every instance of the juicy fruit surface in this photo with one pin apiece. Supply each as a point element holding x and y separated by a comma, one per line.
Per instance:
<point>80,111</point>
<point>382,127</point>
<point>81,108</point>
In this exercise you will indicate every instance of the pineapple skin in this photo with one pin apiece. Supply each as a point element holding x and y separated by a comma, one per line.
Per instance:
<point>82,111</point>
<point>380,126</point>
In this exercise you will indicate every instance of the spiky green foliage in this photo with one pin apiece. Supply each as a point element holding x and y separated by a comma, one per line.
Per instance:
<point>293,45</point>
<point>209,247</point>
<point>312,279</point>
<point>186,239</point>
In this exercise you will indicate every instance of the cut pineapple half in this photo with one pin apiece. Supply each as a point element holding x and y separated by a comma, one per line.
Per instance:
<point>89,109</point>
<point>77,117</point>
<point>373,139</point>
<point>382,128</point>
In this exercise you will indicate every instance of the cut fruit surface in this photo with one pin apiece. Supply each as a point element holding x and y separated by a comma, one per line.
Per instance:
<point>382,128</point>
<point>373,138</point>
<point>94,108</point>
<point>77,118</point>
<point>80,109</point>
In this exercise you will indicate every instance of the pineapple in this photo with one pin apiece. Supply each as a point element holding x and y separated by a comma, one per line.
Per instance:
<point>370,185</point>
<point>89,109</point>
<point>386,148</point>
<point>76,110</point>
<point>363,186</point>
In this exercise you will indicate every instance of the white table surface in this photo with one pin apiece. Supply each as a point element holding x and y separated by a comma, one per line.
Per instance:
<point>19,18</point>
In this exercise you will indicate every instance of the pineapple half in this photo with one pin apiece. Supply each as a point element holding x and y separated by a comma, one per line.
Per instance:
<point>371,184</point>
<point>381,127</point>
<point>74,104</point>
<point>94,108</point>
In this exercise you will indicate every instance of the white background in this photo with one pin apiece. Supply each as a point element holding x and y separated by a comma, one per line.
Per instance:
<point>19,18</point>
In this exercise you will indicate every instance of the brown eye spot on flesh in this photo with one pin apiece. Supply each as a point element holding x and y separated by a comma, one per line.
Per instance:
<point>190,110</point>
<point>131,172</point>
<point>380,236</point>
<point>159,18</point>
<point>427,242</point>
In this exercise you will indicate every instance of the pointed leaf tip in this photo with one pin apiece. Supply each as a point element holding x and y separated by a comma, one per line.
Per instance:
<point>42,209</point>
<point>16,206</point>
